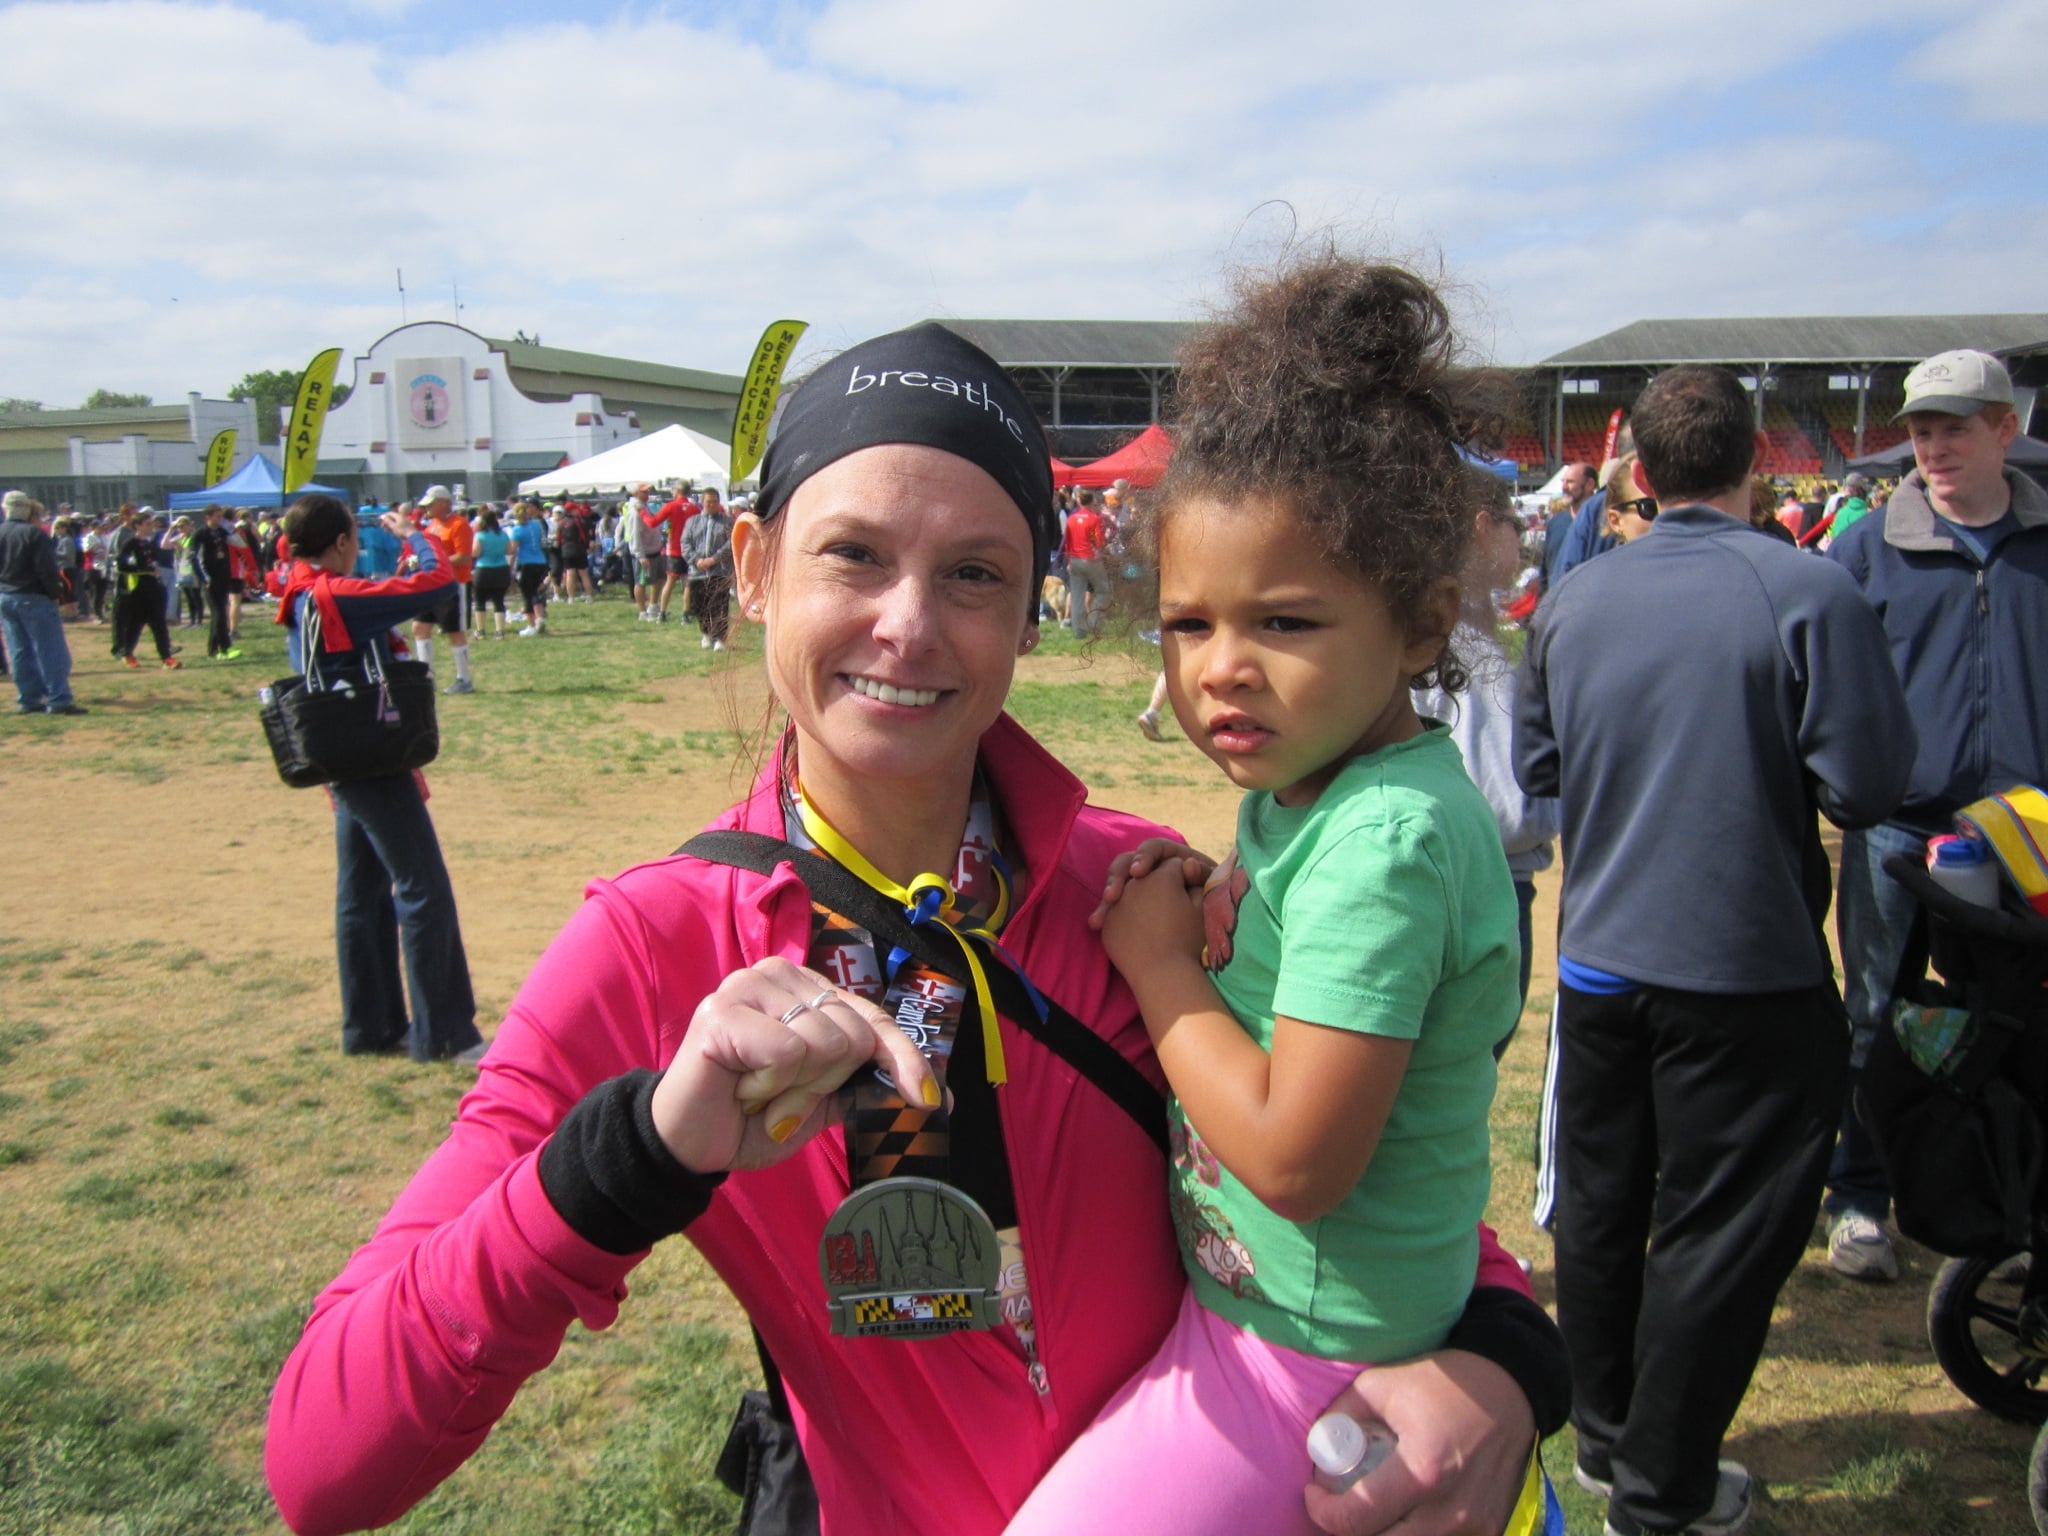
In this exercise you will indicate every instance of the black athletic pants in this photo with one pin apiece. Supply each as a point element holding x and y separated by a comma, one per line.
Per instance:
<point>218,640</point>
<point>1693,1140</point>
<point>134,607</point>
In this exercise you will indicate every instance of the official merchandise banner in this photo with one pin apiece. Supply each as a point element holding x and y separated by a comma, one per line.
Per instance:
<point>758,394</point>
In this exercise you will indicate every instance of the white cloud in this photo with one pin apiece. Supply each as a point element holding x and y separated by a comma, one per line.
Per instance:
<point>1994,58</point>
<point>654,188</point>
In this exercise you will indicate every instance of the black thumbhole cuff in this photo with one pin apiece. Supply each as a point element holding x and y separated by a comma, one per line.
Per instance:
<point>608,1173</point>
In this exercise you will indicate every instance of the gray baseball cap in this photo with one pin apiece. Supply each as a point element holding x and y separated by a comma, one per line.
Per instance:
<point>1959,383</point>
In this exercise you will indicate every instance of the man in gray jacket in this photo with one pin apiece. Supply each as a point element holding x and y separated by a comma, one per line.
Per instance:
<point>1694,698</point>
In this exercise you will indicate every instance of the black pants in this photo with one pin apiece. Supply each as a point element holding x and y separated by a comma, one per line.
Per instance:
<point>710,602</point>
<point>218,640</point>
<point>134,607</point>
<point>1694,1132</point>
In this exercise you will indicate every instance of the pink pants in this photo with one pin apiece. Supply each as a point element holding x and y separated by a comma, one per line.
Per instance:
<point>1209,1439</point>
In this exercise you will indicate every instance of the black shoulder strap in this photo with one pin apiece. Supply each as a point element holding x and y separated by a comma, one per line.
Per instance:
<point>1059,1031</point>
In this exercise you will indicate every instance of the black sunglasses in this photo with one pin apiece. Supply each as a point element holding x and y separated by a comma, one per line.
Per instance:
<point>1645,508</point>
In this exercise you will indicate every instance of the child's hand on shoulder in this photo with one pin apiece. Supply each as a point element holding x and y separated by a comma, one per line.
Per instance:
<point>1196,867</point>
<point>1157,919</point>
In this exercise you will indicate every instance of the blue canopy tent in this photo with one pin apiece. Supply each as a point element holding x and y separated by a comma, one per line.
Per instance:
<point>256,484</point>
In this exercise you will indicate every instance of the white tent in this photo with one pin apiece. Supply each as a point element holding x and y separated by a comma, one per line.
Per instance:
<point>673,453</point>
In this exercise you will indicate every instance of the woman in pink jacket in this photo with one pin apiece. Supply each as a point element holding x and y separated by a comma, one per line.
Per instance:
<point>682,1058</point>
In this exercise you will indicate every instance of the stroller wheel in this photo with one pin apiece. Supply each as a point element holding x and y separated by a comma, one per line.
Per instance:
<point>1973,1322</point>
<point>2037,1482</point>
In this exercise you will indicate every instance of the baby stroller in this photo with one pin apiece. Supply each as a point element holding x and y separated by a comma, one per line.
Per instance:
<point>1954,1095</point>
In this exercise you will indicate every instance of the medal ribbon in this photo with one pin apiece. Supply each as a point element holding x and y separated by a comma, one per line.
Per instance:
<point>926,898</point>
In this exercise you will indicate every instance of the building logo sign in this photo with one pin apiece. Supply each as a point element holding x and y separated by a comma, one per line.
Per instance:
<point>428,402</point>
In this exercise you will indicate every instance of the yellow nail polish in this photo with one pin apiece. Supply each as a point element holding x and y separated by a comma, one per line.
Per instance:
<point>933,1097</point>
<point>784,1128</point>
<point>755,1109</point>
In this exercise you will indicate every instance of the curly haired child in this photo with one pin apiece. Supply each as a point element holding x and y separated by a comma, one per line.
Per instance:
<point>1326,1007</point>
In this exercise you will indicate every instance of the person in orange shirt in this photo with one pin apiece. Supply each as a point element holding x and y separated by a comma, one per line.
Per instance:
<point>452,614</point>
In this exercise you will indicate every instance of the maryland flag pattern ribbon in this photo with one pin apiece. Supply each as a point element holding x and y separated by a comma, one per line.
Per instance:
<point>2015,824</point>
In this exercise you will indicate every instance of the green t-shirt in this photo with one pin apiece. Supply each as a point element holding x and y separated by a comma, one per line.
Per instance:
<point>1386,907</point>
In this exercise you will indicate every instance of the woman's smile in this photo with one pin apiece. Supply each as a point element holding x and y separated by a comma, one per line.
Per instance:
<point>892,693</point>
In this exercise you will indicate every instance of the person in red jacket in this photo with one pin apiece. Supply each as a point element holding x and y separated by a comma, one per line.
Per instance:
<point>1087,581</point>
<point>392,892</point>
<point>678,510</point>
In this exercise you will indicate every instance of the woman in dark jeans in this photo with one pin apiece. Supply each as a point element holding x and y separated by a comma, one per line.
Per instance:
<point>392,890</point>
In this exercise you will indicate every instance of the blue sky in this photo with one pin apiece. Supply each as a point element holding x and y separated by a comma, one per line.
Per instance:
<point>192,191</point>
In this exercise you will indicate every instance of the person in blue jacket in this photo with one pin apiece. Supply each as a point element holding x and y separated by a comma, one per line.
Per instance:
<point>377,551</point>
<point>1956,565</point>
<point>392,890</point>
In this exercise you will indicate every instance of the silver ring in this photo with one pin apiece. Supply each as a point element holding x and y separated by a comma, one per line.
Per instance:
<point>830,994</point>
<point>799,1008</point>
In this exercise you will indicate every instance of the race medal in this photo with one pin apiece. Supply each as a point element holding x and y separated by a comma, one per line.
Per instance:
<point>910,1258</point>
<point>907,1255</point>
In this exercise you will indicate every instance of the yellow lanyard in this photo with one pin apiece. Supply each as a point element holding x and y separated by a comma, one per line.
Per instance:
<point>918,906</point>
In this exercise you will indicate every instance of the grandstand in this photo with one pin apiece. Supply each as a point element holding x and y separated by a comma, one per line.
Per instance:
<point>1826,387</point>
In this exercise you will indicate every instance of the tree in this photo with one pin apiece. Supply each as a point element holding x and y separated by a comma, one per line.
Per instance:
<point>272,389</point>
<point>14,405</point>
<point>107,399</point>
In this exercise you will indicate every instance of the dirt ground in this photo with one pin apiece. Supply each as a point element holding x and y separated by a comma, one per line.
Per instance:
<point>248,864</point>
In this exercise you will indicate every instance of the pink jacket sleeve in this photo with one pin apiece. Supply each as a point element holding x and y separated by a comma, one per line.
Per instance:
<point>471,1281</point>
<point>1497,1266</point>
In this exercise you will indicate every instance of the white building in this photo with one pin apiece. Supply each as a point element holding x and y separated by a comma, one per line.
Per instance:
<point>435,402</point>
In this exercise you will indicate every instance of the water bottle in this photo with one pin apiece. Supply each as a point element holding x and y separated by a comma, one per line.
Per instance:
<point>1344,1450</point>
<point>1965,867</point>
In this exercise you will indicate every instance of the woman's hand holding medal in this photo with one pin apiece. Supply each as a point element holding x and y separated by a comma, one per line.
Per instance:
<point>761,1068</point>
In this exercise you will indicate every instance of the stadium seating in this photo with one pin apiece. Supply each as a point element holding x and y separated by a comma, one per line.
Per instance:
<point>1878,431</point>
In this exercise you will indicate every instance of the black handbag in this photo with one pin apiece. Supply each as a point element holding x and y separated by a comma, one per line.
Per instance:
<point>350,717</point>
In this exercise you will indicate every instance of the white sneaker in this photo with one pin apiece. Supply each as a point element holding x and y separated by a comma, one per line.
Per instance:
<point>1148,726</point>
<point>528,632</point>
<point>1728,1514</point>
<point>472,1056</point>
<point>703,642</point>
<point>1858,1248</point>
<point>718,645</point>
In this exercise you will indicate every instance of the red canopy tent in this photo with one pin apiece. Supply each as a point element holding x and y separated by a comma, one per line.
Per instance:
<point>1141,461</point>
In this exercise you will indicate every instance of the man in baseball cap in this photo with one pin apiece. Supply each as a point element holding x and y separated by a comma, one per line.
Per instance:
<point>1957,566</point>
<point>451,616</point>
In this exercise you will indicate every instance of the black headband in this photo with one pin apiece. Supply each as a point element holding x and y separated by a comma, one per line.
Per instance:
<point>927,386</point>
